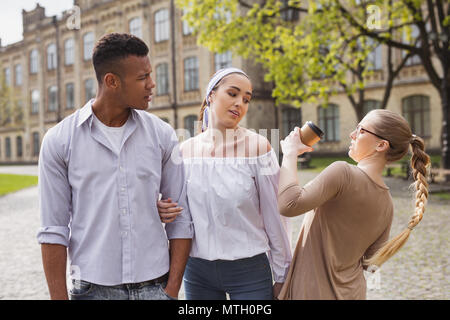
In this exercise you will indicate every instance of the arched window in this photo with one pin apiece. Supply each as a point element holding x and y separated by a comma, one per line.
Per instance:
<point>19,147</point>
<point>52,98</point>
<point>329,122</point>
<point>290,118</point>
<point>161,25</point>
<point>35,101</point>
<point>416,110</point>
<point>69,52</point>
<point>88,45</point>
<point>191,74</point>
<point>370,105</point>
<point>135,27</point>
<point>51,57</point>
<point>34,61</point>
<point>36,144</point>
<point>189,124</point>
<point>89,89</point>
<point>162,79</point>
<point>223,60</point>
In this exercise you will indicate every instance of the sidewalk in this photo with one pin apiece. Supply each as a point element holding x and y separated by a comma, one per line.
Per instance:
<point>31,170</point>
<point>420,270</point>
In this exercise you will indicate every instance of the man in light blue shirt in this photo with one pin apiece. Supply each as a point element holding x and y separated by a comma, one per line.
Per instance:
<point>100,174</point>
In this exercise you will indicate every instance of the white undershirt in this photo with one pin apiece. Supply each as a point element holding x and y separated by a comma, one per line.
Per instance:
<point>113,134</point>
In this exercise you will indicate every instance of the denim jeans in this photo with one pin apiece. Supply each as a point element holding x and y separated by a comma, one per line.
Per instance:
<point>83,290</point>
<point>243,279</point>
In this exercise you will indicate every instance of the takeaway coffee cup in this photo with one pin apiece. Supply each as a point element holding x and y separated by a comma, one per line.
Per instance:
<point>310,133</point>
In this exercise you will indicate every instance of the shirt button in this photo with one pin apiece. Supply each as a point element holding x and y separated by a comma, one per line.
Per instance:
<point>121,169</point>
<point>124,233</point>
<point>124,211</point>
<point>123,189</point>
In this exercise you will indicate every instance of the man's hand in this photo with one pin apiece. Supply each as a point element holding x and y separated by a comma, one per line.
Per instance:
<point>277,289</point>
<point>54,259</point>
<point>179,253</point>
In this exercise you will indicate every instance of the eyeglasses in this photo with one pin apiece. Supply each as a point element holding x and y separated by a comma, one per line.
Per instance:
<point>359,129</point>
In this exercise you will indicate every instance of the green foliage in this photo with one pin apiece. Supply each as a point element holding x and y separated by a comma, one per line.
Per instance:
<point>308,59</point>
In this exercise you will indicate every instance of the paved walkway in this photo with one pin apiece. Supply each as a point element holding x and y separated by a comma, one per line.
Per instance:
<point>419,271</point>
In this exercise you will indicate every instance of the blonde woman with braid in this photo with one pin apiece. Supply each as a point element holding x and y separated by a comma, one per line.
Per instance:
<point>232,178</point>
<point>348,229</point>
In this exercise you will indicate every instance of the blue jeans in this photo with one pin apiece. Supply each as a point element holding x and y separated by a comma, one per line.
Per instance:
<point>83,290</point>
<point>243,279</point>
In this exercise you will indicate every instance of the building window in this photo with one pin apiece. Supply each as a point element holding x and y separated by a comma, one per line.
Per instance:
<point>35,101</point>
<point>70,96</point>
<point>187,30</point>
<point>288,14</point>
<point>69,52</point>
<point>34,63</point>
<point>89,89</point>
<point>8,147</point>
<point>88,45</point>
<point>162,79</point>
<point>291,117</point>
<point>162,25</point>
<point>51,57</point>
<point>52,98</point>
<point>222,60</point>
<point>415,33</point>
<point>374,59</point>
<point>370,105</point>
<point>19,147</point>
<point>191,74</point>
<point>18,74</point>
<point>329,122</point>
<point>189,124</point>
<point>36,143</point>
<point>135,27</point>
<point>416,110</point>
<point>7,74</point>
<point>165,119</point>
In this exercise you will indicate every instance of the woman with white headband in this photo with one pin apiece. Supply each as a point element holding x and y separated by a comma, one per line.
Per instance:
<point>232,181</point>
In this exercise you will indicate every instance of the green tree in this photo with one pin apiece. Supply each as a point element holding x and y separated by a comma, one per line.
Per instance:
<point>311,59</point>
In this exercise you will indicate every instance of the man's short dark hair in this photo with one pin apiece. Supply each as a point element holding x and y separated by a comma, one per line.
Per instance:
<point>113,47</point>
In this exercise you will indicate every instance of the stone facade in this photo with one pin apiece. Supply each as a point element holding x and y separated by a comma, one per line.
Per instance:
<point>50,75</point>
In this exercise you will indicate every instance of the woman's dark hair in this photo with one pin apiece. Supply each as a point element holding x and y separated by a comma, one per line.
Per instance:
<point>113,47</point>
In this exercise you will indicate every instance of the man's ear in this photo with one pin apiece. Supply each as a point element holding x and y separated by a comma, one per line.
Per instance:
<point>111,80</point>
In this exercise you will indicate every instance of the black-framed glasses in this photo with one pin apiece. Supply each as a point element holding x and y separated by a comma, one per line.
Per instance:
<point>358,131</point>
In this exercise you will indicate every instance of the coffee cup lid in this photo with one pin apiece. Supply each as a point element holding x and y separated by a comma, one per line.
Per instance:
<point>315,128</point>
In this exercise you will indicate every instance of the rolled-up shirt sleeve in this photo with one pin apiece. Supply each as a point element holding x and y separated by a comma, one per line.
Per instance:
<point>54,193</point>
<point>173,185</point>
<point>277,227</point>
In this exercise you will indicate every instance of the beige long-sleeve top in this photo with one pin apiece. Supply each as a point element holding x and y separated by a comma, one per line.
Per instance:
<point>351,219</point>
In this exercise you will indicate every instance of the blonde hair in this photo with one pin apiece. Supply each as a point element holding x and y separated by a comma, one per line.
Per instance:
<point>396,130</point>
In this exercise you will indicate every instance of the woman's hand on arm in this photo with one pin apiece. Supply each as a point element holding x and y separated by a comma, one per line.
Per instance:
<point>168,210</point>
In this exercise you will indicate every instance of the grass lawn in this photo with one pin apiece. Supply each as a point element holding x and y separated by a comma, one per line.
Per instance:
<point>13,182</point>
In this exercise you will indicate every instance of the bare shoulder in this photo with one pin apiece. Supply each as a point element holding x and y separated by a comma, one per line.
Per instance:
<point>256,144</point>
<point>187,147</point>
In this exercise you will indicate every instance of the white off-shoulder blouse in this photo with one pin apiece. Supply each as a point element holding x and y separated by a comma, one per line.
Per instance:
<point>233,203</point>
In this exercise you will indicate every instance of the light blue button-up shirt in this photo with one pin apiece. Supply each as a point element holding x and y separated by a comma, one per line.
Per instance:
<point>102,205</point>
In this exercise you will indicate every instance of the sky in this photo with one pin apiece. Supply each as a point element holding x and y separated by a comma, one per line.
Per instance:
<point>11,15</point>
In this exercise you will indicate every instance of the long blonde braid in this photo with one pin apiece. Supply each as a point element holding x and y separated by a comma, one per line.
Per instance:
<point>419,163</point>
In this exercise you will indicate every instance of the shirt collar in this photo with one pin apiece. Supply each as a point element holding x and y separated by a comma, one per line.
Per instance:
<point>86,112</point>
